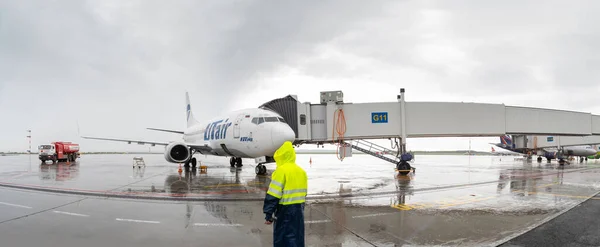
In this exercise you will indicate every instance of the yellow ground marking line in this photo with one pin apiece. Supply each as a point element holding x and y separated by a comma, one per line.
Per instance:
<point>467,202</point>
<point>562,195</point>
<point>451,202</point>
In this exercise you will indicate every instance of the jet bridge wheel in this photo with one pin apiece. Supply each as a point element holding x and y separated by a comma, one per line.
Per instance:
<point>260,169</point>
<point>404,168</point>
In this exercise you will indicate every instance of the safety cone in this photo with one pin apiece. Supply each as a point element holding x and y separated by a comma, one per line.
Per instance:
<point>310,161</point>
<point>180,170</point>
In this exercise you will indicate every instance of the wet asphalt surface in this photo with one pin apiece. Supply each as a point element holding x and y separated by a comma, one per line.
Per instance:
<point>577,227</point>
<point>101,200</point>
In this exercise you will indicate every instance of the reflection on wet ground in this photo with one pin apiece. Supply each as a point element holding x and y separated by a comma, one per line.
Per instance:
<point>450,201</point>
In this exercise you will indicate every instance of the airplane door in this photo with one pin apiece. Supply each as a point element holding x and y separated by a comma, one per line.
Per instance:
<point>236,126</point>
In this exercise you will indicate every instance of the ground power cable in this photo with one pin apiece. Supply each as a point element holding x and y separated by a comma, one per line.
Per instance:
<point>339,127</point>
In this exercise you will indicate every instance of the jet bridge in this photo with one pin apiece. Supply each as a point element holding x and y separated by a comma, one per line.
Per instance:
<point>334,121</point>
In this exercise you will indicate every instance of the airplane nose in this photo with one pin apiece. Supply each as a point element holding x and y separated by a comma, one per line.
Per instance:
<point>282,133</point>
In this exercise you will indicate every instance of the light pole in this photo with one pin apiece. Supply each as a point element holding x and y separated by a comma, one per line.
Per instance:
<point>29,138</point>
<point>29,151</point>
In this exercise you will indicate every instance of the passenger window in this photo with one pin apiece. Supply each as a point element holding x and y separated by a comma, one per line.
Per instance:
<point>261,120</point>
<point>255,120</point>
<point>271,119</point>
<point>302,119</point>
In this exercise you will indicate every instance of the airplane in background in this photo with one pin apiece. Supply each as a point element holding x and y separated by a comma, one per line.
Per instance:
<point>597,155</point>
<point>548,153</point>
<point>503,152</point>
<point>249,133</point>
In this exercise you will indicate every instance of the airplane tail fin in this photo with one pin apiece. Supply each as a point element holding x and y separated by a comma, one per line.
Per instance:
<point>190,116</point>
<point>506,140</point>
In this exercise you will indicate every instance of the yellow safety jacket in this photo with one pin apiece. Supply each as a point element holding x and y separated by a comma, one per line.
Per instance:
<point>289,182</point>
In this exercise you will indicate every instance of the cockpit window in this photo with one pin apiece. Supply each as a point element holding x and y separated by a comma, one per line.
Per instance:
<point>281,119</point>
<point>261,120</point>
<point>271,119</point>
<point>255,120</point>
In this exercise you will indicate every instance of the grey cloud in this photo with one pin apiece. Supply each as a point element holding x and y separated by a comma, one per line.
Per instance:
<point>128,60</point>
<point>132,60</point>
<point>508,46</point>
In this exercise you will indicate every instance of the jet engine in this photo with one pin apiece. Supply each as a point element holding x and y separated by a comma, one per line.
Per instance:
<point>551,155</point>
<point>177,152</point>
<point>554,155</point>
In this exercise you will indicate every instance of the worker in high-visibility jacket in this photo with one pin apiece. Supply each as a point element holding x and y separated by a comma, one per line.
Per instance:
<point>285,198</point>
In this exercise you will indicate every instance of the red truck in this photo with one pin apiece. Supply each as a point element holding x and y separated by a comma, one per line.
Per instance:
<point>59,151</point>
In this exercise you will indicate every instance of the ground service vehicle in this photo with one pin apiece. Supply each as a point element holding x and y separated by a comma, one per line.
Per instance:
<point>59,151</point>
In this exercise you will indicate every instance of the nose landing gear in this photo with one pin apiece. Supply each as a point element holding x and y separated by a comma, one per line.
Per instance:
<point>260,169</point>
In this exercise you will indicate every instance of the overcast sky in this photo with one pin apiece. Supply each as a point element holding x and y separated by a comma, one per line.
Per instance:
<point>115,67</point>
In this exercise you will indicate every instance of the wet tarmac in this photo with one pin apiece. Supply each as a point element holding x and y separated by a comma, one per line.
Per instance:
<point>101,200</point>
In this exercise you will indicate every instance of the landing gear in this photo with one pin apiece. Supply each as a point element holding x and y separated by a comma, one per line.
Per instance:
<point>233,161</point>
<point>581,160</point>
<point>193,162</point>
<point>539,159</point>
<point>586,158</point>
<point>260,169</point>
<point>403,168</point>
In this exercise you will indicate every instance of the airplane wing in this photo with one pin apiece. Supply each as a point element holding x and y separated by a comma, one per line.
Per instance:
<point>127,140</point>
<point>166,130</point>
<point>202,148</point>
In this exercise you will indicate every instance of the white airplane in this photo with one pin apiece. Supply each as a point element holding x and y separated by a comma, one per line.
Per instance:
<point>550,153</point>
<point>249,133</point>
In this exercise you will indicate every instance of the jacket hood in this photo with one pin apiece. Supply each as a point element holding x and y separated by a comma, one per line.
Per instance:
<point>285,154</point>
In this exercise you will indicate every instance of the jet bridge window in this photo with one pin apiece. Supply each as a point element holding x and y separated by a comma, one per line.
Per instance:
<point>302,119</point>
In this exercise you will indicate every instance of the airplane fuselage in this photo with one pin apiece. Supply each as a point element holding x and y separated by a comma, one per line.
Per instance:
<point>246,133</point>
